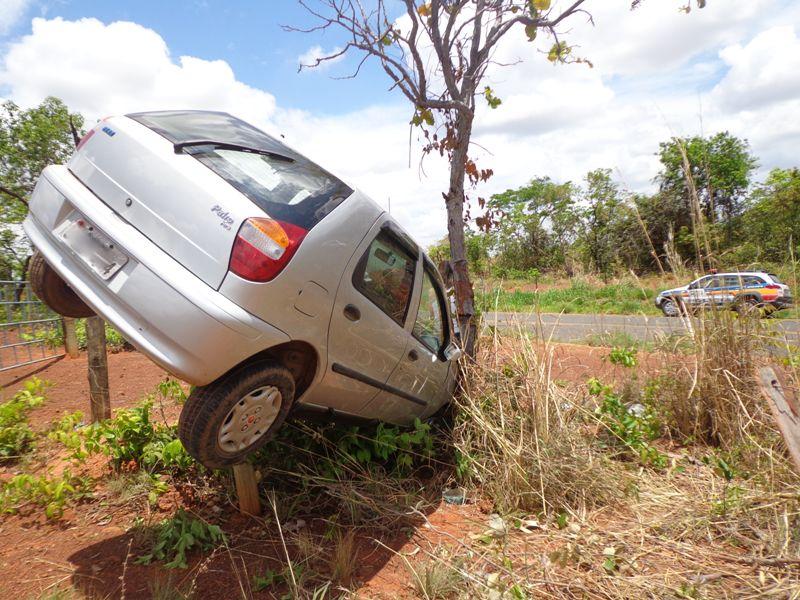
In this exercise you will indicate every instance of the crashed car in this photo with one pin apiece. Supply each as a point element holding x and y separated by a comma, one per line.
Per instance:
<point>745,291</point>
<point>243,268</point>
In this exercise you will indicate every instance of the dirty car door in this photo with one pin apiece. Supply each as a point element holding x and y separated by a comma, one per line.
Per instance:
<point>366,337</point>
<point>421,383</point>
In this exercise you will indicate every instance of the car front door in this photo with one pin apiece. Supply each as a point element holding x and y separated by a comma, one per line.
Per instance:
<point>423,379</point>
<point>366,337</point>
<point>698,291</point>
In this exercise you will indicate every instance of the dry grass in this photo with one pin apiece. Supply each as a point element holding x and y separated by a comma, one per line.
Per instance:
<point>721,520</point>
<point>522,439</point>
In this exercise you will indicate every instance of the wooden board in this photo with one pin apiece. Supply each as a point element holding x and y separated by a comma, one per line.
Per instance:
<point>784,409</point>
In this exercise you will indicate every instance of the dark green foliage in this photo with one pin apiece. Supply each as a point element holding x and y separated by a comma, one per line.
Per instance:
<point>30,140</point>
<point>173,538</point>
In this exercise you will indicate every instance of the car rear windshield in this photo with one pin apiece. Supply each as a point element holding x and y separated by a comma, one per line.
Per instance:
<point>284,184</point>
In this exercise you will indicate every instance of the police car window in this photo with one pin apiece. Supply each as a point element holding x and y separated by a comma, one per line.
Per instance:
<point>732,281</point>
<point>752,280</point>
<point>706,282</point>
<point>385,275</point>
<point>775,278</point>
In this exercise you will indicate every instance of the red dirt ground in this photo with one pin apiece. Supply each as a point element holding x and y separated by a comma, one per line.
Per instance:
<point>90,548</point>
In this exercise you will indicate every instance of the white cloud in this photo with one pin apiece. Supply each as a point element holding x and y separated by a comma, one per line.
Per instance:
<point>308,59</point>
<point>659,73</point>
<point>103,69</point>
<point>764,71</point>
<point>11,11</point>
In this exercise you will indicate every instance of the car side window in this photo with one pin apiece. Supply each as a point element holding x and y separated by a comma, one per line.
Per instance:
<point>732,281</point>
<point>753,281</point>
<point>429,324</point>
<point>385,275</point>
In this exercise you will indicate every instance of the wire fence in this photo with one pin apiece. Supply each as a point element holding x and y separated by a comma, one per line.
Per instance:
<point>29,331</point>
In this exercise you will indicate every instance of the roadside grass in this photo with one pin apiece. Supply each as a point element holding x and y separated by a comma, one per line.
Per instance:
<point>578,298</point>
<point>674,485</point>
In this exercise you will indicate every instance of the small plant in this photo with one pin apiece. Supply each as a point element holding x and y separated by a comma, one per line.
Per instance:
<point>132,439</point>
<point>625,357</point>
<point>68,432</point>
<point>16,436</point>
<point>171,389</point>
<point>173,538</point>
<point>53,494</point>
<point>438,579</point>
<point>629,428</point>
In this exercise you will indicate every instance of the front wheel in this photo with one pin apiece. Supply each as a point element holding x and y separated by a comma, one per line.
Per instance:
<point>237,414</point>
<point>670,308</point>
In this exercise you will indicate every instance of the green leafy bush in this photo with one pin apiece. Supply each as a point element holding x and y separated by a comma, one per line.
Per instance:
<point>16,436</point>
<point>53,494</point>
<point>173,538</point>
<point>131,438</point>
<point>625,357</point>
<point>627,428</point>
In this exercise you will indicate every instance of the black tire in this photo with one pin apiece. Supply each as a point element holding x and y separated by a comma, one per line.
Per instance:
<point>211,406</point>
<point>749,306</point>
<point>670,307</point>
<point>54,291</point>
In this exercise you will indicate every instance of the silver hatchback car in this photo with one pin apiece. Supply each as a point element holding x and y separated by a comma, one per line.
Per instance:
<point>245,269</point>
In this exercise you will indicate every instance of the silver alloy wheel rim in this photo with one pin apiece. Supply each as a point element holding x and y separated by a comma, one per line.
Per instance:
<point>250,418</point>
<point>670,308</point>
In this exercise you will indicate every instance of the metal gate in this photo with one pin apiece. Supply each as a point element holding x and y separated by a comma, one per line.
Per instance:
<point>29,331</point>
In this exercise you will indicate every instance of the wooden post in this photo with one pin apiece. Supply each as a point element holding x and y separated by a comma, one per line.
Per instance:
<point>247,489</point>
<point>70,338</point>
<point>98,368</point>
<point>784,410</point>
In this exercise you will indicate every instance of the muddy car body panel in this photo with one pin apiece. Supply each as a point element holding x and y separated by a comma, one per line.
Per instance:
<point>209,245</point>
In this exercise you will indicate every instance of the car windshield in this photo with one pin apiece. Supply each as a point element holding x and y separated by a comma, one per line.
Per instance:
<point>284,184</point>
<point>775,278</point>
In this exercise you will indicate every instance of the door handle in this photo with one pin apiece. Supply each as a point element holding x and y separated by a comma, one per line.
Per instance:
<point>413,355</point>
<point>351,312</point>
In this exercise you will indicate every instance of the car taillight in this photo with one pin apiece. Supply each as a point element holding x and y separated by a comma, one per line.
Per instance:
<point>85,139</point>
<point>263,247</point>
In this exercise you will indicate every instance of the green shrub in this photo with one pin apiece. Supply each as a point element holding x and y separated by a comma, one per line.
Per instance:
<point>131,438</point>
<point>628,429</point>
<point>16,436</point>
<point>53,494</point>
<point>173,538</point>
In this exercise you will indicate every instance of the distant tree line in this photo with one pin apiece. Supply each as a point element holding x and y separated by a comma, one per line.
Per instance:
<point>707,213</point>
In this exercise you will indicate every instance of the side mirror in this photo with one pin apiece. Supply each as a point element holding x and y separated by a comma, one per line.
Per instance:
<point>453,352</point>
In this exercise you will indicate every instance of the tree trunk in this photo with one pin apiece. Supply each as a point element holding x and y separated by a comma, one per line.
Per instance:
<point>465,297</point>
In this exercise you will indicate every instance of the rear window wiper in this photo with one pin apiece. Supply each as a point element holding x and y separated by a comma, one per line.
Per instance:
<point>181,146</point>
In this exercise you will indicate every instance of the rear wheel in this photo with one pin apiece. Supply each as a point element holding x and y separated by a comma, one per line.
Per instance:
<point>237,414</point>
<point>749,307</point>
<point>54,291</point>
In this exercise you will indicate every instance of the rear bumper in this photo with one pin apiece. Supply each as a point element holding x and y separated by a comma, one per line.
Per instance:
<point>164,310</point>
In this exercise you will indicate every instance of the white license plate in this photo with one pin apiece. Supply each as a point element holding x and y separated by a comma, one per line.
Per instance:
<point>91,246</point>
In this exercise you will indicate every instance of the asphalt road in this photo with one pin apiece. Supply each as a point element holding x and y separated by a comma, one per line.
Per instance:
<point>583,328</point>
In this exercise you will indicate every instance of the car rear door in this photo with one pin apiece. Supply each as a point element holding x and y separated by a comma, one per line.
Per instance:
<point>366,337</point>
<point>421,382</point>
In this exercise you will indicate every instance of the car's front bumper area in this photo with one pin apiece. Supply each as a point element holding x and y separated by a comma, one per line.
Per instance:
<point>159,306</point>
<point>782,302</point>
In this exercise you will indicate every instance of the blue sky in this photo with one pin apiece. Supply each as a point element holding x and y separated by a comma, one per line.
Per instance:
<point>733,66</point>
<point>247,34</point>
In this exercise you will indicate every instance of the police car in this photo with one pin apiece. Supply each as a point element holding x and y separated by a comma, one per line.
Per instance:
<point>743,291</point>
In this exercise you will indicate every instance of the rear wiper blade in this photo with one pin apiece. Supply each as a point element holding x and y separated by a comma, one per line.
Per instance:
<point>181,146</point>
